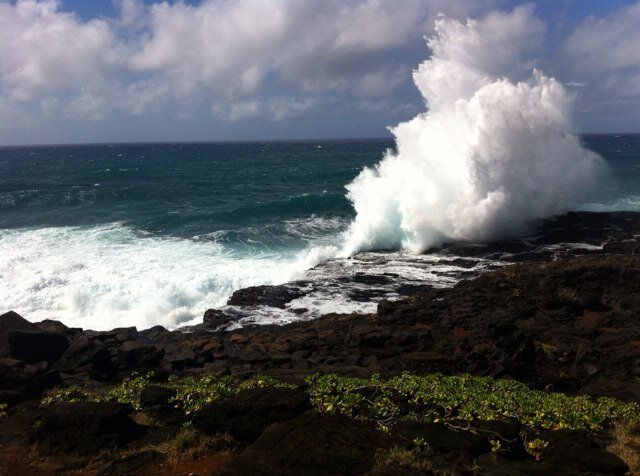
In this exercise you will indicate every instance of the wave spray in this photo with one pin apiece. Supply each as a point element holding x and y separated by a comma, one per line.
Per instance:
<point>493,151</point>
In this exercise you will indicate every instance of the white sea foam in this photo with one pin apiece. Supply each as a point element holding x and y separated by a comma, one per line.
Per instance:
<point>108,276</point>
<point>493,151</point>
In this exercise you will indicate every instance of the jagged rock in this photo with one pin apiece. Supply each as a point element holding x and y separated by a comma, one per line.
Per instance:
<point>136,356</point>
<point>442,438</point>
<point>311,444</point>
<point>156,395</point>
<point>89,355</point>
<point>36,346</point>
<point>565,325</point>
<point>185,357</point>
<point>20,381</point>
<point>246,415</point>
<point>85,428</point>
<point>274,296</point>
<point>568,452</point>
<point>10,321</point>
<point>215,319</point>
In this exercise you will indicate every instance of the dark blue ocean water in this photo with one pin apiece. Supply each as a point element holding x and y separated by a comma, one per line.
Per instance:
<point>248,190</point>
<point>145,234</point>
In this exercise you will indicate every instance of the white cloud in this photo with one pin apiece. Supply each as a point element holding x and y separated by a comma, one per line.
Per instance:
<point>244,110</point>
<point>602,56</point>
<point>220,51</point>
<point>46,51</point>
<point>87,105</point>
<point>282,108</point>
<point>276,108</point>
<point>275,59</point>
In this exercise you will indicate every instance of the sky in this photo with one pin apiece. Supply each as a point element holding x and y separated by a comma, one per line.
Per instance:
<point>86,71</point>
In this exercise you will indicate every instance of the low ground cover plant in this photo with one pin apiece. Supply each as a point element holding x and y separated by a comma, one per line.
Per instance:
<point>435,398</point>
<point>191,393</point>
<point>459,400</point>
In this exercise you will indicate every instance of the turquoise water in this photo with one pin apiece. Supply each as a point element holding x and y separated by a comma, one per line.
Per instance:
<point>107,235</point>
<point>622,154</point>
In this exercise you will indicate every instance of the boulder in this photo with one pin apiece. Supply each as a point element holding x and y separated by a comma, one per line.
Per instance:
<point>20,381</point>
<point>568,452</point>
<point>89,355</point>
<point>36,346</point>
<point>274,296</point>
<point>215,320</point>
<point>246,415</point>
<point>85,428</point>
<point>11,321</point>
<point>311,444</point>
<point>137,356</point>
<point>153,395</point>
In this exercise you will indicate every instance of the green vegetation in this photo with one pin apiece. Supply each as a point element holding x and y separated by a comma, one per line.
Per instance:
<point>456,401</point>
<point>3,408</point>
<point>66,394</point>
<point>459,400</point>
<point>129,390</point>
<point>413,459</point>
<point>191,393</point>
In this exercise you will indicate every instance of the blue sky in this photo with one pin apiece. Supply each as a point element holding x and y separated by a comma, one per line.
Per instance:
<point>128,70</point>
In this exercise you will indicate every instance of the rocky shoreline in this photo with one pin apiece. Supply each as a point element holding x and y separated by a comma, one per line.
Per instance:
<point>559,317</point>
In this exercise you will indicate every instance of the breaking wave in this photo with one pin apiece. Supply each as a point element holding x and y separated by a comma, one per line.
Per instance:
<point>493,151</point>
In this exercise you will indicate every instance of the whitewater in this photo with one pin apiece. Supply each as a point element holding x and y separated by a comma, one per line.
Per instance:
<point>103,236</point>
<point>489,155</point>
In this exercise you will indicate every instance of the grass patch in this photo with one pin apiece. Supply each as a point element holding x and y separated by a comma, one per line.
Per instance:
<point>626,444</point>
<point>191,444</point>
<point>396,457</point>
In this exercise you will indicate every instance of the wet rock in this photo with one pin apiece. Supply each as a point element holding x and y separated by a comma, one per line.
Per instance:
<point>371,279</point>
<point>215,319</point>
<point>186,357</point>
<point>274,296</point>
<point>409,289</point>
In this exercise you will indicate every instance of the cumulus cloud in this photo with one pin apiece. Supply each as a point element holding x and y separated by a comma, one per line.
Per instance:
<point>221,50</point>
<point>602,58</point>
<point>46,51</point>
<point>235,60</point>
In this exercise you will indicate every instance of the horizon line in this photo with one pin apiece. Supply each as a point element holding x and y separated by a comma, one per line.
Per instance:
<point>228,141</point>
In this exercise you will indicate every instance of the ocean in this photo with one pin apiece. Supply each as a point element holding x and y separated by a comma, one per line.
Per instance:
<point>112,235</point>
